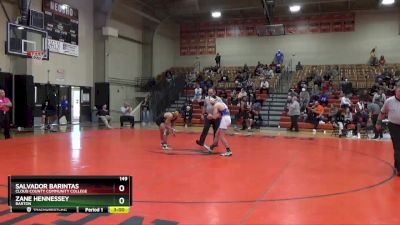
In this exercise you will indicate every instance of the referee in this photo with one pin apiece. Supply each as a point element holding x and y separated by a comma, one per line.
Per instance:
<point>5,105</point>
<point>391,109</point>
<point>208,110</point>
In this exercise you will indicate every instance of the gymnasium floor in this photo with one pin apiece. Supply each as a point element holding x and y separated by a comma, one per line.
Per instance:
<point>272,178</point>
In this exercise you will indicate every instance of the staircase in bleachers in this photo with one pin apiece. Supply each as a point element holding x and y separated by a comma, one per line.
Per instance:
<point>272,109</point>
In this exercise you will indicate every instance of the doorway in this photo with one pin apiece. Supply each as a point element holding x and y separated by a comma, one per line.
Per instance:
<point>75,105</point>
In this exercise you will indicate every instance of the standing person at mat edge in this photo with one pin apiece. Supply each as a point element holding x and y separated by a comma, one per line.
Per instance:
<point>220,110</point>
<point>391,109</point>
<point>294,113</point>
<point>5,105</point>
<point>166,123</point>
<point>208,110</point>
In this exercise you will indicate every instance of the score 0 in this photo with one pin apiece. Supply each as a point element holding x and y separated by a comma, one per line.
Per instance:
<point>122,188</point>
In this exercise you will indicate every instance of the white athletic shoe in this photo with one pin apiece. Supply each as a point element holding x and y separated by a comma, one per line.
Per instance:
<point>227,154</point>
<point>314,131</point>
<point>166,147</point>
<point>208,148</point>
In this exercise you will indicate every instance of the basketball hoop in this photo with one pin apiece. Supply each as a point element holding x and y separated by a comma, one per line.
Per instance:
<point>37,56</point>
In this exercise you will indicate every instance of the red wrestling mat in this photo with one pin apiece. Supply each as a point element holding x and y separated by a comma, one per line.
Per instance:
<point>274,180</point>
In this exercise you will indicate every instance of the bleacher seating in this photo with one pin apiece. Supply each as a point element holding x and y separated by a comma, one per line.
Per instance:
<point>361,75</point>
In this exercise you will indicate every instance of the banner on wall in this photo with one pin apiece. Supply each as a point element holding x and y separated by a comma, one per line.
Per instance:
<point>200,38</point>
<point>63,48</point>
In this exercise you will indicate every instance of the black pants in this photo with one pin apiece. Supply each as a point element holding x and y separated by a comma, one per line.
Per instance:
<point>315,121</point>
<point>378,133</point>
<point>207,125</point>
<point>5,124</point>
<point>129,119</point>
<point>394,130</point>
<point>294,123</point>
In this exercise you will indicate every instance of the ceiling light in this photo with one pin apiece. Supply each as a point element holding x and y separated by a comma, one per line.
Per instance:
<point>216,14</point>
<point>294,8</point>
<point>387,2</point>
<point>20,28</point>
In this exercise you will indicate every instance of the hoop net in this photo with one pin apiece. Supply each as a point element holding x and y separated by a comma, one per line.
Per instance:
<point>36,56</point>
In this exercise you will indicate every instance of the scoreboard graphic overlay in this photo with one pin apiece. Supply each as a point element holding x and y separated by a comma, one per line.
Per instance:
<point>61,22</point>
<point>72,194</point>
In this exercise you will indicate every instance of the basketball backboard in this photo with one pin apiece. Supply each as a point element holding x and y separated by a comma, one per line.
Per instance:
<point>22,39</point>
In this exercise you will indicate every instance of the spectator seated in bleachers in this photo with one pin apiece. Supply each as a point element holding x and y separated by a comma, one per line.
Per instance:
<point>278,68</point>
<point>348,118</point>
<point>338,121</point>
<point>259,71</point>
<point>249,119</point>
<point>224,96</point>
<point>224,78</point>
<point>256,111</point>
<point>251,96</point>
<point>364,96</point>
<point>328,87</point>
<point>209,82</point>
<point>239,78</point>
<point>316,115</point>
<point>299,66</point>
<point>302,84</point>
<point>168,76</point>
<point>242,94</point>
<point>333,110</point>
<point>334,71</point>
<point>250,85</point>
<point>304,99</point>
<point>390,91</point>
<point>264,86</point>
<point>374,89</point>
<point>191,79</point>
<point>345,101</point>
<point>318,80</point>
<point>269,72</point>
<point>198,93</point>
<point>360,106</point>
<point>315,94</point>
<point>127,115</point>
<point>379,98</point>
<point>327,76</point>
<point>324,99</point>
<point>234,98</point>
<point>347,87</point>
